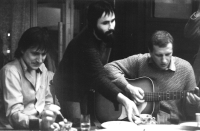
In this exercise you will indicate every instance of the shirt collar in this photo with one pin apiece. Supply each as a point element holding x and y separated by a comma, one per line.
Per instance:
<point>172,66</point>
<point>25,68</point>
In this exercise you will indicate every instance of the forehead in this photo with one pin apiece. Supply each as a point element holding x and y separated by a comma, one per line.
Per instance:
<point>36,49</point>
<point>167,49</point>
<point>106,17</point>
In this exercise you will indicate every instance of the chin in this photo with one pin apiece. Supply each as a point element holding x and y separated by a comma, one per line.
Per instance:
<point>34,68</point>
<point>163,68</point>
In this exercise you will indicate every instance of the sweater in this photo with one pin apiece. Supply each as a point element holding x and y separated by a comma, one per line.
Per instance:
<point>82,69</point>
<point>182,78</point>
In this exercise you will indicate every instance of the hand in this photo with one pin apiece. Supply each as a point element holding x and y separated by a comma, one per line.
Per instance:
<point>58,126</point>
<point>193,98</point>
<point>130,107</point>
<point>135,93</point>
<point>49,115</point>
<point>132,111</point>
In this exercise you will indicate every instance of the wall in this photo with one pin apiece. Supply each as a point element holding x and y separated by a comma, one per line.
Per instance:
<point>5,24</point>
<point>134,26</point>
<point>15,18</point>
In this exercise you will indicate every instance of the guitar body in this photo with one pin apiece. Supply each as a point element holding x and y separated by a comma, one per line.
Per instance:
<point>147,85</point>
<point>105,110</point>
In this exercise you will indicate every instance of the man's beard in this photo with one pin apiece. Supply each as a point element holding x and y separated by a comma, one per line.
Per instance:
<point>107,37</point>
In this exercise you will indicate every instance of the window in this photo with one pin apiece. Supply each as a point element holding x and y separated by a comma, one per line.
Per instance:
<point>179,9</point>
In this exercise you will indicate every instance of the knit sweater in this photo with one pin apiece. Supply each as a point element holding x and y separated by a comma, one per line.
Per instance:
<point>164,80</point>
<point>82,69</point>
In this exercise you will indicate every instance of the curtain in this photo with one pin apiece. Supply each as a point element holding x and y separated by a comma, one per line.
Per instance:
<point>20,21</point>
<point>5,21</point>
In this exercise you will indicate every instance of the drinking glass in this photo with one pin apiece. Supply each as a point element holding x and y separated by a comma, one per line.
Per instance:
<point>85,122</point>
<point>198,119</point>
<point>34,124</point>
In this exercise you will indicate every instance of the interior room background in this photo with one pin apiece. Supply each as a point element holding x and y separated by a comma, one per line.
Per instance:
<point>136,20</point>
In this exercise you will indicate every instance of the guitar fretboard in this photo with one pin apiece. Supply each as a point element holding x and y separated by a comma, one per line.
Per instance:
<point>159,96</point>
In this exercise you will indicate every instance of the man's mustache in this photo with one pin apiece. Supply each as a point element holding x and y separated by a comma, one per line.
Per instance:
<point>110,32</point>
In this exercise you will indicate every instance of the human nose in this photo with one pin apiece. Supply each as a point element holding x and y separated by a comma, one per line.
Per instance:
<point>164,59</point>
<point>40,59</point>
<point>111,26</point>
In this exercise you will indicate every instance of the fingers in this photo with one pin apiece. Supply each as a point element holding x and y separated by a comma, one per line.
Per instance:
<point>139,93</point>
<point>54,108</point>
<point>130,117</point>
<point>132,112</point>
<point>192,98</point>
<point>137,120</point>
<point>139,101</point>
<point>55,127</point>
<point>49,115</point>
<point>135,91</point>
<point>197,98</point>
<point>58,126</point>
<point>134,118</point>
<point>62,123</point>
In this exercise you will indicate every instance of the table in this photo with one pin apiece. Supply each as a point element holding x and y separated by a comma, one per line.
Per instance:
<point>141,128</point>
<point>154,128</point>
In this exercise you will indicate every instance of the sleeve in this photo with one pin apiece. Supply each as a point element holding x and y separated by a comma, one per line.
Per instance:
<point>13,99</point>
<point>192,28</point>
<point>97,75</point>
<point>119,70</point>
<point>52,90</point>
<point>48,94</point>
<point>190,109</point>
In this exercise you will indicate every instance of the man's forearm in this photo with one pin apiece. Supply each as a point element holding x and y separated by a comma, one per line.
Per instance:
<point>122,99</point>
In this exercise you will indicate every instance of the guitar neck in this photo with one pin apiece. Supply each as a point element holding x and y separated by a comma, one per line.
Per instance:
<point>159,96</point>
<point>150,96</point>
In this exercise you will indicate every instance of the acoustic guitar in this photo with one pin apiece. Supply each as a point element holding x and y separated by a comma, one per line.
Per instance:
<point>105,110</point>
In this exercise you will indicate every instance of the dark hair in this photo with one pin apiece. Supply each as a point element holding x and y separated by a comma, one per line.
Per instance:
<point>161,39</point>
<point>33,37</point>
<point>95,11</point>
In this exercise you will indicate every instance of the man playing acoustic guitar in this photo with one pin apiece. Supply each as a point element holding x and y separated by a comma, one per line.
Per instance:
<point>171,76</point>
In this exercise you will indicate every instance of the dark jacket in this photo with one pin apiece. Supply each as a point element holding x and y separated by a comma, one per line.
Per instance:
<point>81,69</point>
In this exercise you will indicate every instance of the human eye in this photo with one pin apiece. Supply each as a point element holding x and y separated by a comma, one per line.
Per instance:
<point>34,53</point>
<point>113,20</point>
<point>168,54</point>
<point>44,54</point>
<point>158,55</point>
<point>105,22</point>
